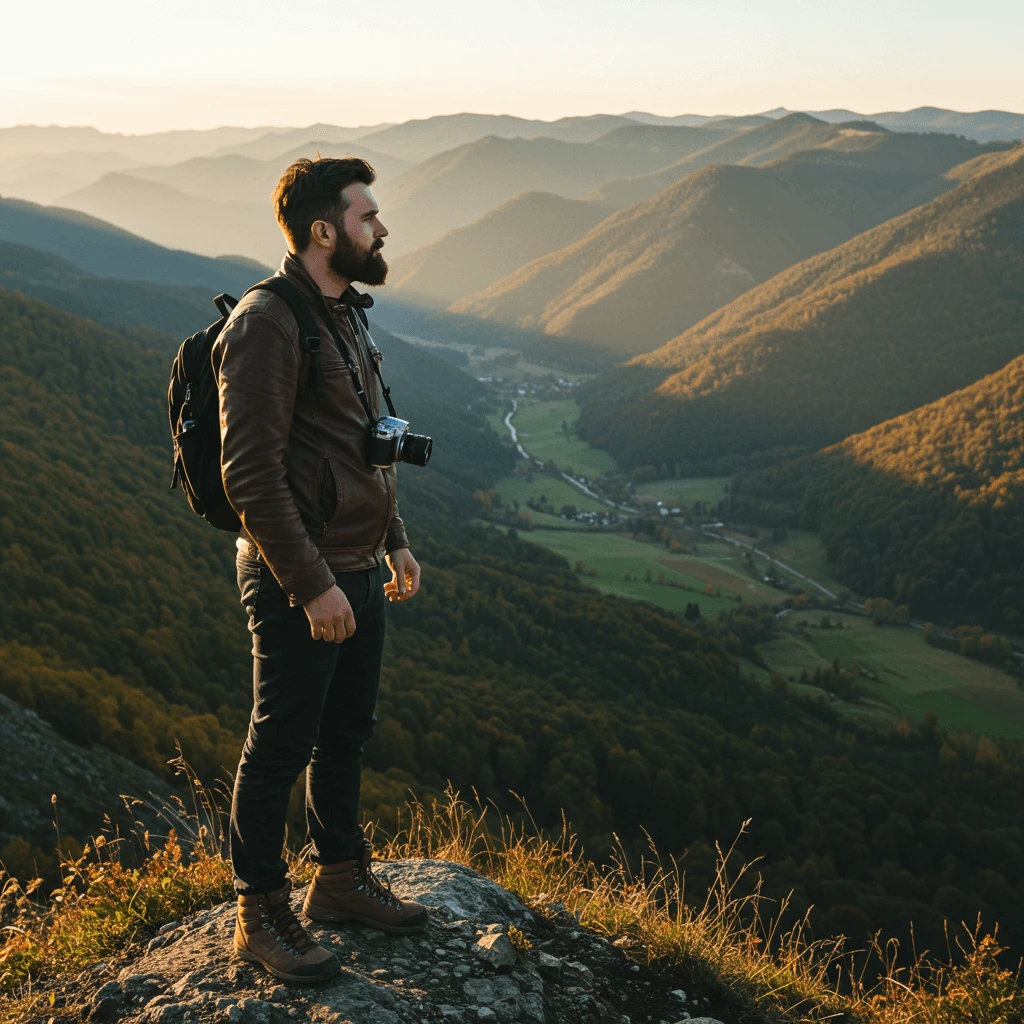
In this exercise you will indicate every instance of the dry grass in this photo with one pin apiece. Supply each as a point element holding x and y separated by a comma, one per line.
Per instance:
<point>730,942</point>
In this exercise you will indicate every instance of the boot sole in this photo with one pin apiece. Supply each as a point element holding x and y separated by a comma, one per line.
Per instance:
<point>330,971</point>
<point>336,917</point>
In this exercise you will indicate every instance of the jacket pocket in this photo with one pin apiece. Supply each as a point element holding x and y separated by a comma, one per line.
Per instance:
<point>326,494</point>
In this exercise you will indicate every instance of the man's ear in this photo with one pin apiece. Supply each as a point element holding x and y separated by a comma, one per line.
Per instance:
<point>320,234</point>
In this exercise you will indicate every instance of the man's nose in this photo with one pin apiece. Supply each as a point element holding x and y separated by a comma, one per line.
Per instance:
<point>381,231</point>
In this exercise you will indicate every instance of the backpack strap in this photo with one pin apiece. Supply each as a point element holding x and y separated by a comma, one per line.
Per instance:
<point>309,335</point>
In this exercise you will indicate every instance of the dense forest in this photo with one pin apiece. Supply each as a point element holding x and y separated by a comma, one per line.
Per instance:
<point>121,626</point>
<point>897,317</point>
<point>926,509</point>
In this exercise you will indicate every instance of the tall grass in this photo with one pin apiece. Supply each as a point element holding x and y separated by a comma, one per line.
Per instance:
<point>729,943</point>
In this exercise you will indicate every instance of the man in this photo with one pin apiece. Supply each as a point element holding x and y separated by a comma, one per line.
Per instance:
<point>317,524</point>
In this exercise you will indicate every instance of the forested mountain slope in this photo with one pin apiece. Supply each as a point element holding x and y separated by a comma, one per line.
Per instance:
<point>120,623</point>
<point>467,259</point>
<point>100,248</point>
<point>926,509</point>
<point>649,272</point>
<point>897,317</point>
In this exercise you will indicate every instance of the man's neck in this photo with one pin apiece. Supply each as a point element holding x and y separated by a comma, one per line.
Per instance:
<point>330,284</point>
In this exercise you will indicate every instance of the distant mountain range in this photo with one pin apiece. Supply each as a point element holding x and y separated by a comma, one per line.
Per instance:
<point>654,269</point>
<point>898,316</point>
<point>100,248</point>
<point>456,187</point>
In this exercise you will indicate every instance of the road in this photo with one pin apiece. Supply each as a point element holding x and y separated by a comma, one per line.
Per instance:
<point>581,487</point>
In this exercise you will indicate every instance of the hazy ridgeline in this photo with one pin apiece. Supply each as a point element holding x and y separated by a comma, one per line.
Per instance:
<point>779,284</point>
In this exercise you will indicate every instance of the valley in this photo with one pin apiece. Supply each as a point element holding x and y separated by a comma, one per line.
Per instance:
<point>695,560</point>
<point>758,555</point>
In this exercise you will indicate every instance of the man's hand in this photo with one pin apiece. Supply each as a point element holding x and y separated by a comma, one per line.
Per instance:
<point>405,575</point>
<point>330,616</point>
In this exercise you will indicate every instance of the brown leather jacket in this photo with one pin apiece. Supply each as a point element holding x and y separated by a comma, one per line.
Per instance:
<point>294,467</point>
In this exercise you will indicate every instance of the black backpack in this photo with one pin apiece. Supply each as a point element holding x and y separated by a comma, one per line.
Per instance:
<point>193,406</point>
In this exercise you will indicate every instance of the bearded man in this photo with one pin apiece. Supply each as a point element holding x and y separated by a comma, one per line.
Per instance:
<point>318,525</point>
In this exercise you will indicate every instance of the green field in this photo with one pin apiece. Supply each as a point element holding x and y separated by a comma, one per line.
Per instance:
<point>557,492</point>
<point>612,555</point>
<point>540,432</point>
<point>912,676</point>
<point>686,491</point>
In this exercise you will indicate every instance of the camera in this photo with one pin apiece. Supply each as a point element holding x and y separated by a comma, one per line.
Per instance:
<point>391,442</point>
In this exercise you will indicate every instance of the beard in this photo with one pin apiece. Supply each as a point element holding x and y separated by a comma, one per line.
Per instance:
<point>347,261</point>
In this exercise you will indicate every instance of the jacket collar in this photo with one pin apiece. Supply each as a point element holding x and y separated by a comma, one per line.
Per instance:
<point>292,268</point>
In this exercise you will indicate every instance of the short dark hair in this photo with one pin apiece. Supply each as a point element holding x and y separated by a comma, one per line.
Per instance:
<point>310,190</point>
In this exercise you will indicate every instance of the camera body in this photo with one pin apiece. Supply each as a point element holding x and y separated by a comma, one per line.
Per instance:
<point>390,441</point>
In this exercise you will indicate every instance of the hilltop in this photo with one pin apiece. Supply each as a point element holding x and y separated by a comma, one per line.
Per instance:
<point>926,509</point>
<point>99,247</point>
<point>647,273</point>
<point>900,315</point>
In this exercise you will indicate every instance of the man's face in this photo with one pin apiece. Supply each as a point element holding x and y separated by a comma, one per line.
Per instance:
<point>359,239</point>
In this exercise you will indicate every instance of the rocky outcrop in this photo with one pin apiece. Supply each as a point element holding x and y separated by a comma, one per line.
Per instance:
<point>485,957</point>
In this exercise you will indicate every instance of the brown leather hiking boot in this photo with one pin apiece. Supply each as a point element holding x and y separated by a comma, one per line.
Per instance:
<point>350,891</point>
<point>267,932</point>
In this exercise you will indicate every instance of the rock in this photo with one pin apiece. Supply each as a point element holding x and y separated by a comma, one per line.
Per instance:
<point>496,951</point>
<point>169,927</point>
<point>466,894</point>
<point>550,966</point>
<point>699,1020</point>
<point>575,973</point>
<point>479,990</point>
<point>679,994</point>
<point>255,1010</point>
<point>486,1013</point>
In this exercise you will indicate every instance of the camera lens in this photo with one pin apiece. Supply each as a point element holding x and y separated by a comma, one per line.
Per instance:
<point>415,449</point>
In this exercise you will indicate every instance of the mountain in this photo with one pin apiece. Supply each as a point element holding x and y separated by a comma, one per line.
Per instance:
<point>174,311</point>
<point>926,509</point>
<point>41,179</point>
<point>653,270</point>
<point>423,138</point>
<point>900,315</point>
<point>460,185</point>
<point>181,221</point>
<point>468,259</point>
<point>233,177</point>
<point>157,147</point>
<point>273,144</point>
<point>757,144</point>
<point>100,248</point>
<point>982,126</point>
<point>120,624</point>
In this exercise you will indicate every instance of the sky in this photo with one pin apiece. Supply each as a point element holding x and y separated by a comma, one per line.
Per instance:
<point>143,66</point>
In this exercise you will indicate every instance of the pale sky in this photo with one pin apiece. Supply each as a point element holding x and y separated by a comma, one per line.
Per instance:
<point>140,66</point>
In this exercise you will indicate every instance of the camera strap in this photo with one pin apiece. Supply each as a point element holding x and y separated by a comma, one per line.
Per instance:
<point>310,343</point>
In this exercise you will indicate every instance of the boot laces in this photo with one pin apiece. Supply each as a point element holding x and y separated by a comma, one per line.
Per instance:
<point>282,922</point>
<point>378,888</point>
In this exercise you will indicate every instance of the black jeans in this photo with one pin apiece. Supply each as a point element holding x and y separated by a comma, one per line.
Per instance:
<point>313,711</point>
